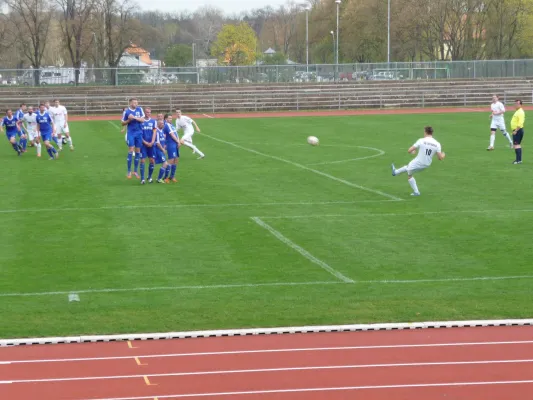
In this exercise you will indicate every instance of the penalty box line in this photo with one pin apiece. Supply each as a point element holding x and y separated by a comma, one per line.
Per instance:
<point>278,235</point>
<point>301,166</point>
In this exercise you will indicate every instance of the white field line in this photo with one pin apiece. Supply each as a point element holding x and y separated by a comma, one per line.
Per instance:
<point>302,251</point>
<point>170,288</point>
<point>222,205</point>
<point>379,153</point>
<point>208,116</point>
<point>268,351</point>
<point>396,214</point>
<point>274,284</point>
<point>115,125</point>
<point>323,389</point>
<point>267,370</point>
<point>334,178</point>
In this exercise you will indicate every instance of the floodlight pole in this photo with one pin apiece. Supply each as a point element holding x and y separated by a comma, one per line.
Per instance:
<point>337,42</point>
<point>388,33</point>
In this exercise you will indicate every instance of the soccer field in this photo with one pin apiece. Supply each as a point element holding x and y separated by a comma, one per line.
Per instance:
<point>267,230</point>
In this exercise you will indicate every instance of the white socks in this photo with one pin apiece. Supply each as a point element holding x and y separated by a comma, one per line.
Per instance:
<point>401,170</point>
<point>69,141</point>
<point>412,182</point>
<point>38,147</point>
<point>492,139</point>
<point>506,134</point>
<point>195,149</point>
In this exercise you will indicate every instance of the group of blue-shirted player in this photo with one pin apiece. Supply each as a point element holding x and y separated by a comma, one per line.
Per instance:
<point>40,126</point>
<point>155,140</point>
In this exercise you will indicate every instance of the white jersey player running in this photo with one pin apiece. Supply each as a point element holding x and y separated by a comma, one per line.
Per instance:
<point>30,125</point>
<point>427,148</point>
<point>60,115</point>
<point>186,124</point>
<point>497,122</point>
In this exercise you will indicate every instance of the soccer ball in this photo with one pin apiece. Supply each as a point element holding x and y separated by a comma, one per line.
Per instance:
<point>312,140</point>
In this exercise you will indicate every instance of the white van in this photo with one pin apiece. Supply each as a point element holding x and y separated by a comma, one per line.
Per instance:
<point>53,76</point>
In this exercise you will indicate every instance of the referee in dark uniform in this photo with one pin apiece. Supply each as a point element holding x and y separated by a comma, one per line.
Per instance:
<point>517,125</point>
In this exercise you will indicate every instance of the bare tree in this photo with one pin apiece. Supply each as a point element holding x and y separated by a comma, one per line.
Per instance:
<point>30,21</point>
<point>76,17</point>
<point>209,21</point>
<point>118,30</point>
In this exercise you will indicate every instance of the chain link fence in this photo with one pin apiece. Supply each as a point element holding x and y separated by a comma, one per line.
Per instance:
<point>297,73</point>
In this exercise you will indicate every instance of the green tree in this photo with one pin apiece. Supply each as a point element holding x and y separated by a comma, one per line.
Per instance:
<point>274,59</point>
<point>179,55</point>
<point>235,45</point>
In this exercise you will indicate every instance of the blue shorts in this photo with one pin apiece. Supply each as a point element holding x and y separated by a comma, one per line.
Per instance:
<point>135,139</point>
<point>10,135</point>
<point>46,137</point>
<point>147,152</point>
<point>160,156</point>
<point>172,151</point>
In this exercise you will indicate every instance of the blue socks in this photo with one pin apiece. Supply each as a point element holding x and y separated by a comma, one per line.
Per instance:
<point>23,143</point>
<point>137,159</point>
<point>151,168</point>
<point>15,147</point>
<point>167,171</point>
<point>130,157</point>
<point>142,171</point>
<point>161,173</point>
<point>173,171</point>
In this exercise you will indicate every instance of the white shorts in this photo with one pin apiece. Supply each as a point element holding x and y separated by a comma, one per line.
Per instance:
<point>414,166</point>
<point>61,128</point>
<point>495,124</point>
<point>187,138</point>
<point>32,135</point>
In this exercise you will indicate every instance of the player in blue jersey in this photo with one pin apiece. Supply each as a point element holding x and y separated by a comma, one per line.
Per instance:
<point>22,133</point>
<point>148,145</point>
<point>173,143</point>
<point>133,118</point>
<point>45,128</point>
<point>160,149</point>
<point>12,125</point>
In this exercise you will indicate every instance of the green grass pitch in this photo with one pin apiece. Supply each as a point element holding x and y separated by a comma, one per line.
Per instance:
<point>322,249</point>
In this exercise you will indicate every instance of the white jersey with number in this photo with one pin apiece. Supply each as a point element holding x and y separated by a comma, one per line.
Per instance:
<point>185,123</point>
<point>427,148</point>
<point>31,125</point>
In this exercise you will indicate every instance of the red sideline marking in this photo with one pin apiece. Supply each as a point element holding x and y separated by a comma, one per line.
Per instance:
<point>335,113</point>
<point>459,363</point>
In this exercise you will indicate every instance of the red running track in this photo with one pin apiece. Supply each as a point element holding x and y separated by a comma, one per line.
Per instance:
<point>490,363</point>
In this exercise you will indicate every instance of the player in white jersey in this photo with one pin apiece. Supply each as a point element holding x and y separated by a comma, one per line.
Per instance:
<point>30,125</point>
<point>427,148</point>
<point>60,115</point>
<point>497,122</point>
<point>186,124</point>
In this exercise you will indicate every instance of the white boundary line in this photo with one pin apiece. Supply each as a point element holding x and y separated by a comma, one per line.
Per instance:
<point>334,178</point>
<point>266,331</point>
<point>261,370</point>
<point>363,214</point>
<point>273,284</point>
<point>322,389</point>
<point>221,205</point>
<point>269,351</point>
<point>301,250</point>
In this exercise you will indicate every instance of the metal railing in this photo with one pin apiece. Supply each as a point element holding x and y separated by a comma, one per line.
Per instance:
<point>271,73</point>
<point>278,100</point>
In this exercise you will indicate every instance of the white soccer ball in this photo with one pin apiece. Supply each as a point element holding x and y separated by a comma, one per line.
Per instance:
<point>312,140</point>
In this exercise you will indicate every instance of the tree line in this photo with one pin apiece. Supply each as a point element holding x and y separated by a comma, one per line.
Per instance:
<point>55,32</point>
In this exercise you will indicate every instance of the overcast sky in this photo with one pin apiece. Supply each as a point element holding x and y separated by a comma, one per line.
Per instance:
<point>229,6</point>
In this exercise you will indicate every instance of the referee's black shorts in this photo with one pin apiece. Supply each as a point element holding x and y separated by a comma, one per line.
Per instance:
<point>518,136</point>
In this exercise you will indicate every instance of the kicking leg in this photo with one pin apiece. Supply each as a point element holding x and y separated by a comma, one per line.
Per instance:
<point>398,171</point>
